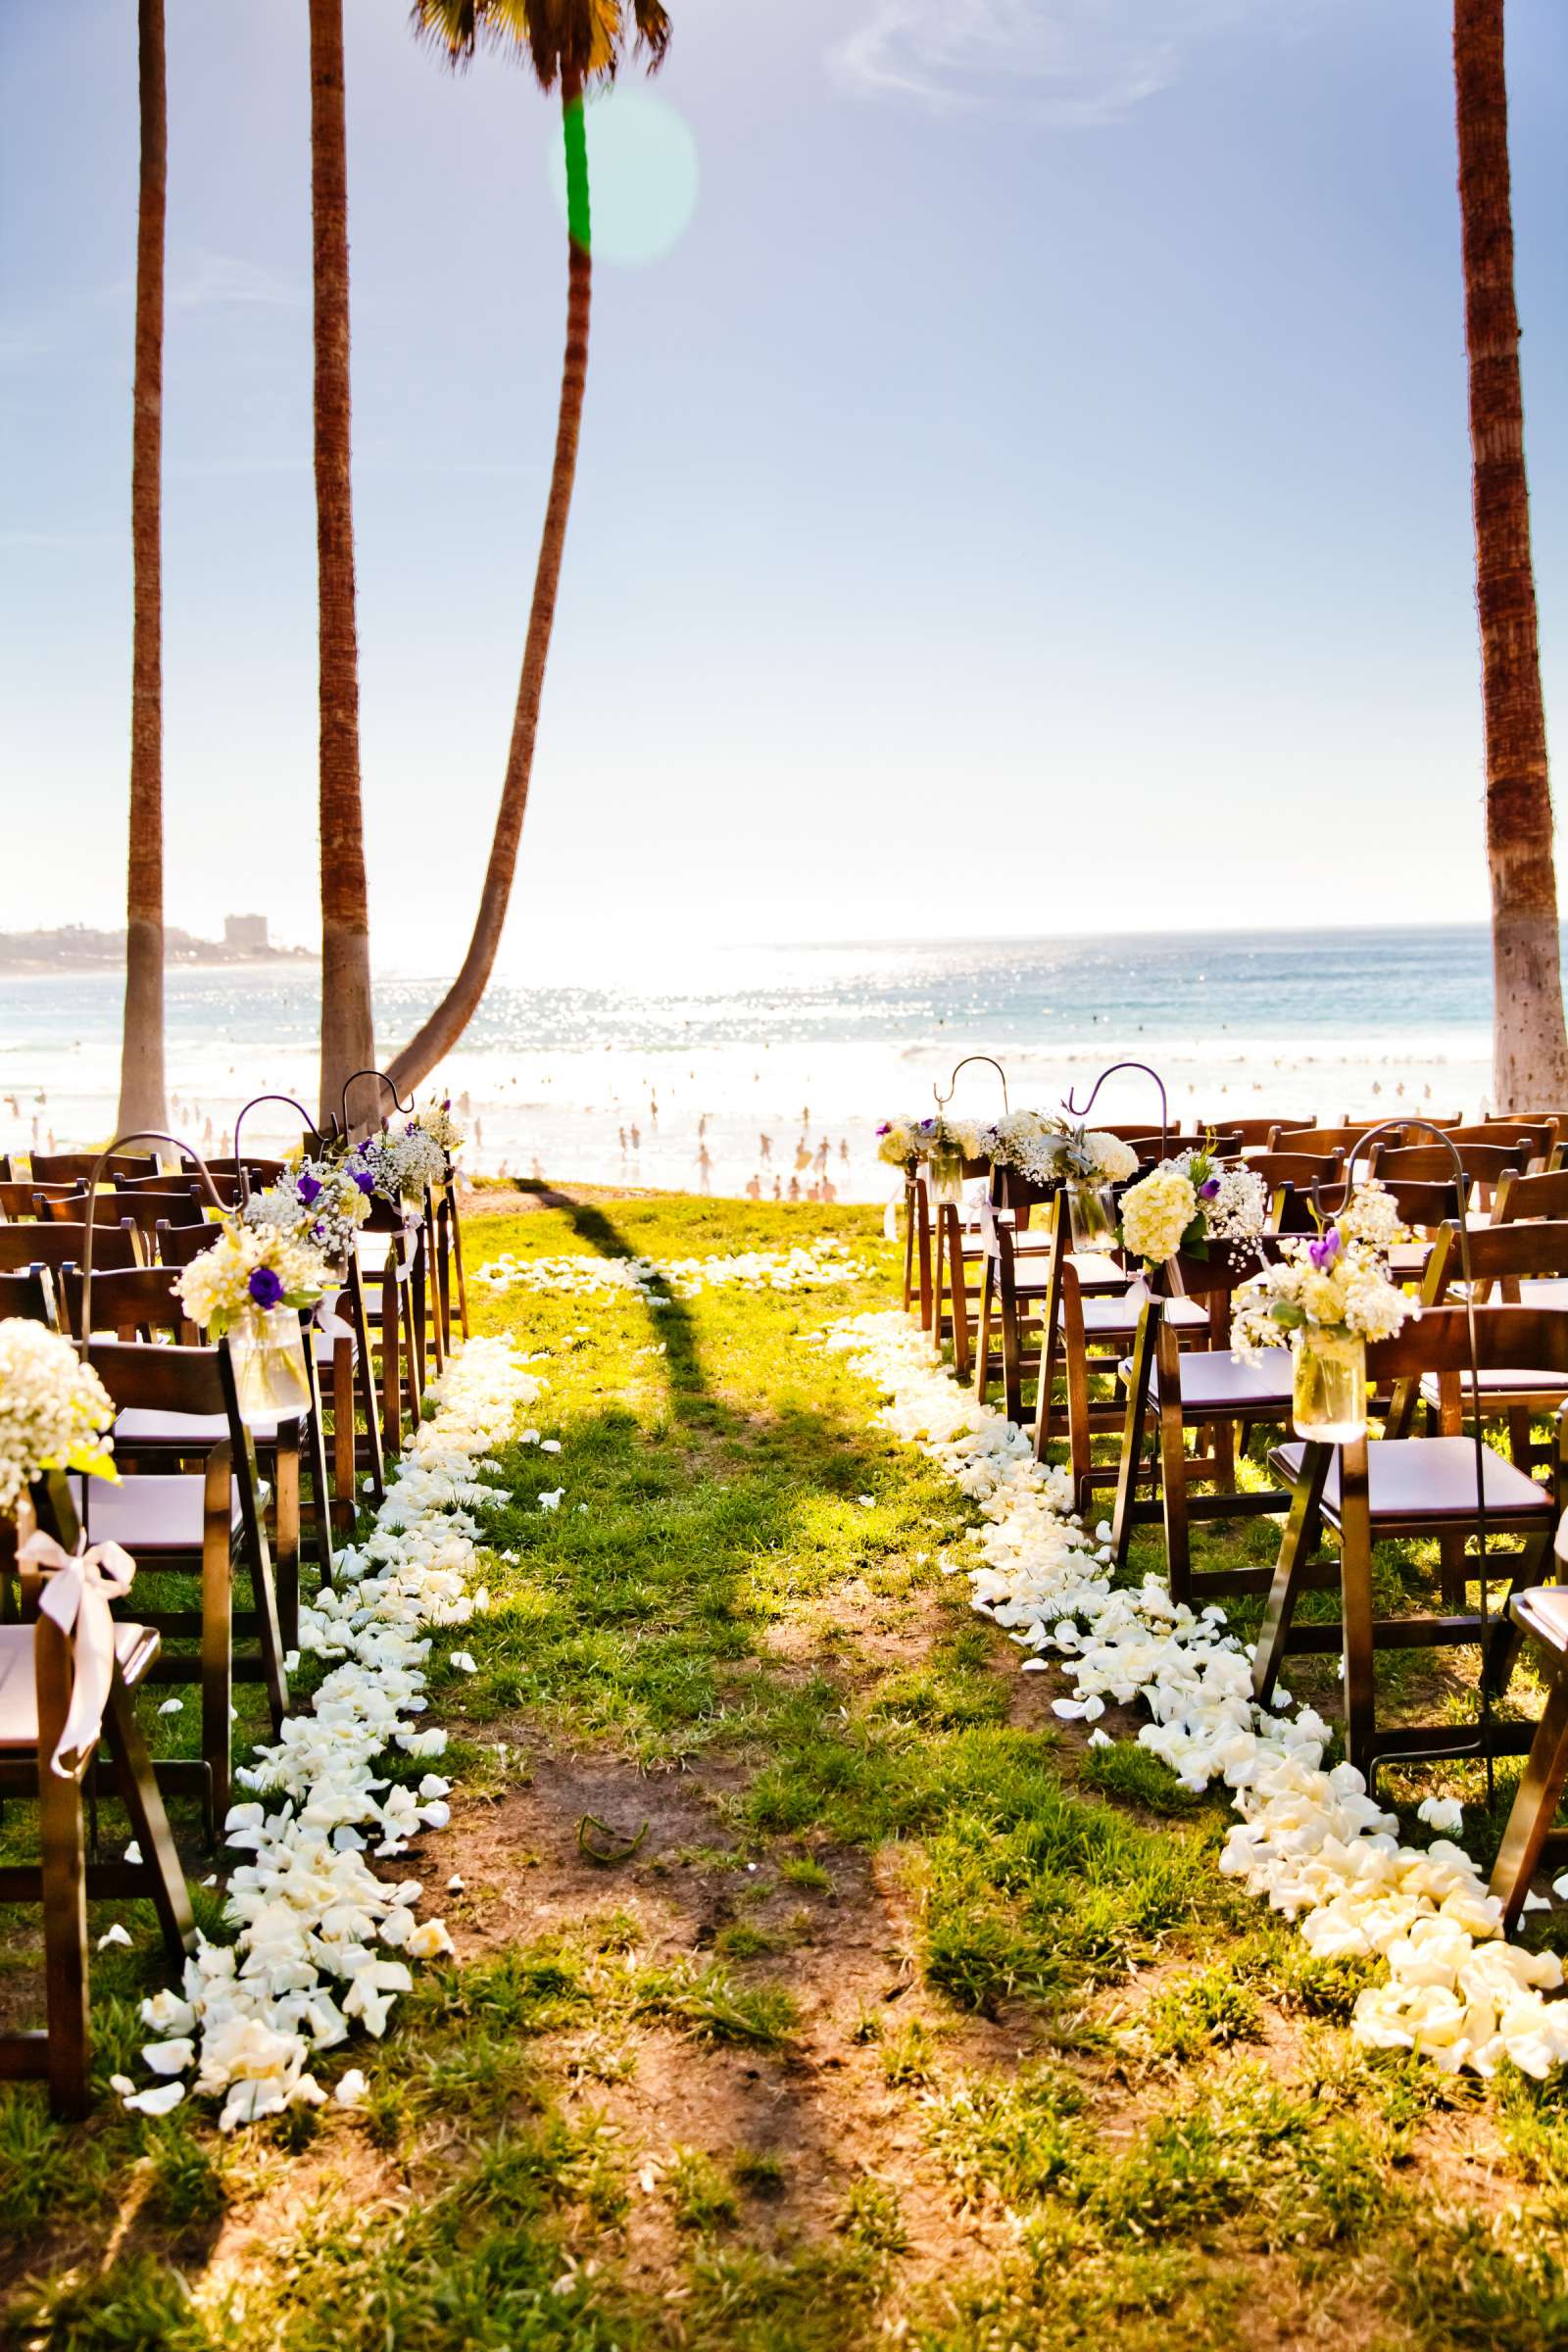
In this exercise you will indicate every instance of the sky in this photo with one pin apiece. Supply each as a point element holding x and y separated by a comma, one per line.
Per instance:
<point>1024,485</point>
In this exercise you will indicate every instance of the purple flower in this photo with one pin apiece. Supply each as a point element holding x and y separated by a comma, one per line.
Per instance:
<point>1325,1249</point>
<point>363,1179</point>
<point>1210,1190</point>
<point>264,1287</point>
<point>307,1187</point>
<point>886,1127</point>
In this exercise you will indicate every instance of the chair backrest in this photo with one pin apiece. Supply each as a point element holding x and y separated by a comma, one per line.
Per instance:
<point>1320,1140</point>
<point>1430,1163</point>
<point>260,1172</point>
<point>133,1301</point>
<point>144,1209</point>
<point>163,1380</point>
<point>1439,1341</point>
<point>1300,1169</point>
<point>56,1245</point>
<point>178,1244</point>
<point>1521,1197</point>
<point>1258,1135</point>
<point>1532,1251</point>
<point>76,1167</point>
<point>31,1291</point>
<point>1422,1206</point>
<point>1539,1134</point>
<point>19,1195</point>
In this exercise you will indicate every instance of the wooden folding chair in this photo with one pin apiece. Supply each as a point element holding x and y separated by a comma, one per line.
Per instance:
<point>146,1210</point>
<point>1541,1616</point>
<point>1087,1325</point>
<point>59,1245</point>
<point>144,1304</point>
<point>1014,1280</point>
<point>1302,1170</point>
<point>207,1523</point>
<point>1407,1489</point>
<point>1221,1142</point>
<point>1485,1165</point>
<point>35,1684</point>
<point>446,1251</point>
<point>955,1265</point>
<point>1214,1390</point>
<point>1518,1197</point>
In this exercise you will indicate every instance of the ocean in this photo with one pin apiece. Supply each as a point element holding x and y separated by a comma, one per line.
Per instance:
<point>727,1068</point>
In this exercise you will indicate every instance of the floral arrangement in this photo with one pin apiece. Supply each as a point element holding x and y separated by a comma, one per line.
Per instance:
<point>1050,1149</point>
<point>251,1270</point>
<point>321,1202</point>
<point>1190,1203</point>
<point>54,1410</point>
<point>1336,1282</point>
<point>902,1143</point>
<point>437,1122</point>
<point>402,1166</point>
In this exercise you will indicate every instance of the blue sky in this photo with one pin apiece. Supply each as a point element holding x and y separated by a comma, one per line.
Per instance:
<point>1031,495</point>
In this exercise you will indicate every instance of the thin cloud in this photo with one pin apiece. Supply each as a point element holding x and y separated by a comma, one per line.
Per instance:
<point>1083,62</point>
<point>207,278</point>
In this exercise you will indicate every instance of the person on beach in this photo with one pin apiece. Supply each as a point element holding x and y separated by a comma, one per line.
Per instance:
<point>704,1162</point>
<point>754,1188</point>
<point>766,1144</point>
<point>779,1187</point>
<point>795,1188</point>
<point>636,1136</point>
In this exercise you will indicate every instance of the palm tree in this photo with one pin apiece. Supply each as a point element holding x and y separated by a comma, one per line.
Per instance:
<point>568,45</point>
<point>348,1034</point>
<point>142,1105</point>
<point>1529,1047</point>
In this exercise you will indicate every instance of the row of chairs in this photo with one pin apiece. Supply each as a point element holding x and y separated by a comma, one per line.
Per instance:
<point>205,1501</point>
<point>1013,1295</point>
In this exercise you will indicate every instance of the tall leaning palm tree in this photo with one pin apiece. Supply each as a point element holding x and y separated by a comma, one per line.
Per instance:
<point>348,1032</point>
<point>142,1105</point>
<point>569,45</point>
<point>1529,1047</point>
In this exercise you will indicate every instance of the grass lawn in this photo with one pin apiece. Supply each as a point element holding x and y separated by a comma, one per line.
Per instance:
<point>904,2016</point>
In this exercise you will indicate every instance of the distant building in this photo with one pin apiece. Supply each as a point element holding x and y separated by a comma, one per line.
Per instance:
<point>245,934</point>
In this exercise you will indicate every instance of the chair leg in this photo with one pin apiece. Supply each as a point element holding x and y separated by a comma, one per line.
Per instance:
<point>1173,1493</point>
<point>462,1280</point>
<point>1535,1804</point>
<point>412,1356</point>
<point>1132,1435</point>
<point>365,1377</point>
<point>218,1643</point>
<point>61,1843</point>
<point>286,1557</point>
<point>344,1479</point>
<point>983,1328</point>
<point>958,1274</point>
<point>391,1370</point>
<point>144,1801</point>
<point>1355,1587</point>
<point>1296,1548</point>
<point>1011,1352</point>
<point>314,1436</point>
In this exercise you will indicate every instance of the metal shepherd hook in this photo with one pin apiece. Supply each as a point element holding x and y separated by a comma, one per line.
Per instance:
<point>1070,1105</point>
<point>138,1135</point>
<point>943,1099</point>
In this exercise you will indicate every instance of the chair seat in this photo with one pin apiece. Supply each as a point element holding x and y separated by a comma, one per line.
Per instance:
<point>1408,1262</point>
<point>138,1426</point>
<point>135,1646</point>
<point>1543,1612</point>
<point>162,1512</point>
<point>1217,1381</point>
<point>1545,1388</point>
<point>1108,1319</point>
<point>1427,1479</point>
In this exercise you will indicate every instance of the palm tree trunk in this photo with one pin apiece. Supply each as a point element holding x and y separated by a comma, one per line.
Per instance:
<point>348,1037</point>
<point>1530,1048</point>
<point>141,1054</point>
<point>458,1007</point>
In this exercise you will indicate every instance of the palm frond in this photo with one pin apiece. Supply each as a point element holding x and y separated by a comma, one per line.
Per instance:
<point>582,38</point>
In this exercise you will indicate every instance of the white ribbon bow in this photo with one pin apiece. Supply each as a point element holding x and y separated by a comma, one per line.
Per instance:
<point>77,1595</point>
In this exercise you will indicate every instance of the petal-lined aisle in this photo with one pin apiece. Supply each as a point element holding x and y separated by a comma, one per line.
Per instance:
<point>324,1944</point>
<point>1313,1841</point>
